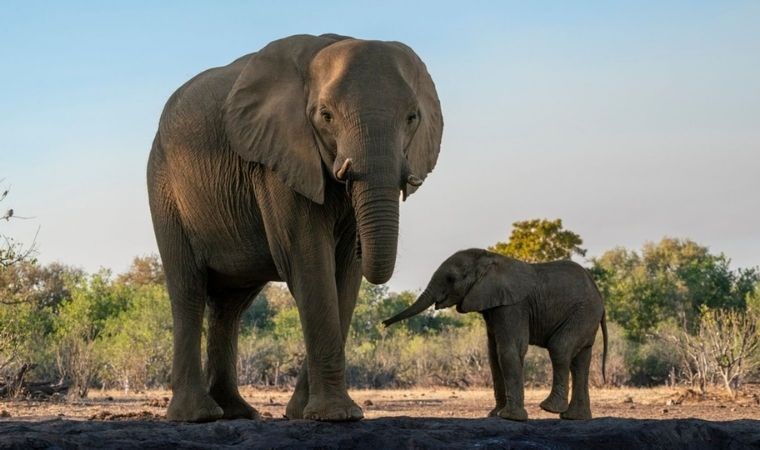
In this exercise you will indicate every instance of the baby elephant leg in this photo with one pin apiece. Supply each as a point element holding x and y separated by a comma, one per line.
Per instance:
<point>511,362</point>
<point>580,404</point>
<point>510,336</point>
<point>500,394</point>
<point>556,402</point>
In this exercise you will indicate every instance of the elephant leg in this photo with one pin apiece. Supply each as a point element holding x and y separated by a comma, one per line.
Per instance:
<point>499,391</point>
<point>186,284</point>
<point>300,397</point>
<point>580,404</point>
<point>316,294</point>
<point>556,402</point>
<point>347,279</point>
<point>302,242</point>
<point>221,370</point>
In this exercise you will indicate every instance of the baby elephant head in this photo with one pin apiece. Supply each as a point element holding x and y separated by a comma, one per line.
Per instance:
<point>473,280</point>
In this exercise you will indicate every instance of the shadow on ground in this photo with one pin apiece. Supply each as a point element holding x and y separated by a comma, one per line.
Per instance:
<point>385,433</point>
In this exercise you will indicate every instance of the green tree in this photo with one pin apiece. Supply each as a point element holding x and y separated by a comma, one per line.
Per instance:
<point>17,332</point>
<point>145,270</point>
<point>287,325</point>
<point>670,280</point>
<point>540,240</point>
<point>137,342</point>
<point>79,324</point>
<point>30,296</point>
<point>260,314</point>
<point>376,303</point>
<point>753,298</point>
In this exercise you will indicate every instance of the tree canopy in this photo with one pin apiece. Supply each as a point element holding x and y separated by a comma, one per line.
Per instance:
<point>668,280</point>
<point>540,240</point>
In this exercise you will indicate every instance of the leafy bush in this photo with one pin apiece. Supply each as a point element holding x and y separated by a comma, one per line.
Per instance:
<point>79,324</point>
<point>136,344</point>
<point>101,330</point>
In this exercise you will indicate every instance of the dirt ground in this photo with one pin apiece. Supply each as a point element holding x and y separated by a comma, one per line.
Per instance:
<point>409,419</point>
<point>654,403</point>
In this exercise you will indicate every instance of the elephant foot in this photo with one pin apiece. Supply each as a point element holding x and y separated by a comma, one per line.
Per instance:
<point>514,413</point>
<point>341,409</point>
<point>495,412</point>
<point>296,405</point>
<point>194,407</point>
<point>235,407</point>
<point>576,413</point>
<point>554,404</point>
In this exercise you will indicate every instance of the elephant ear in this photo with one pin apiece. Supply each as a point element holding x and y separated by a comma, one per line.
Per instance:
<point>503,282</point>
<point>265,115</point>
<point>422,152</point>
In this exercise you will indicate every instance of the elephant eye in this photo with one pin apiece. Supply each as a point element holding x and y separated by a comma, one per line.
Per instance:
<point>449,279</point>
<point>326,116</point>
<point>411,118</point>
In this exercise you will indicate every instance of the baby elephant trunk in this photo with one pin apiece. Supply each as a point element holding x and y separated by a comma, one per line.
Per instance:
<point>422,303</point>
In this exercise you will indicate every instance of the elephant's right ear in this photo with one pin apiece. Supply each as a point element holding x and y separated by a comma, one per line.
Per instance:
<point>501,282</point>
<point>265,113</point>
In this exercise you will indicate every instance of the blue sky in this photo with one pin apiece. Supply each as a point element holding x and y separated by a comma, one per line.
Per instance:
<point>630,121</point>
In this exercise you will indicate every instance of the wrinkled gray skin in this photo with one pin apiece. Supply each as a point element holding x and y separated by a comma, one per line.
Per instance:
<point>553,305</point>
<point>249,183</point>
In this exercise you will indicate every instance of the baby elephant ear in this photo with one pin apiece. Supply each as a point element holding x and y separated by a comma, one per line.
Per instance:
<point>265,115</point>
<point>503,282</point>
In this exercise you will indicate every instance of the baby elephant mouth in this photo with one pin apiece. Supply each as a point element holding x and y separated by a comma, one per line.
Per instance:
<point>446,302</point>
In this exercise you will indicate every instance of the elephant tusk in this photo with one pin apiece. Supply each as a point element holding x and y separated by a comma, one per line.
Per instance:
<point>341,173</point>
<point>414,180</point>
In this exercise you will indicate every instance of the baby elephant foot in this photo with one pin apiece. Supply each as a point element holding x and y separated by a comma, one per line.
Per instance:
<point>554,404</point>
<point>495,412</point>
<point>514,413</point>
<point>332,410</point>
<point>193,408</point>
<point>576,413</point>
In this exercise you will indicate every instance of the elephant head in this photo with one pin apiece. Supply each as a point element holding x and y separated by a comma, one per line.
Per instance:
<point>332,109</point>
<point>474,280</point>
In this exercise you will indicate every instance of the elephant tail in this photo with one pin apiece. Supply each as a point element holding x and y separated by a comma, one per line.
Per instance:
<point>604,326</point>
<point>604,352</point>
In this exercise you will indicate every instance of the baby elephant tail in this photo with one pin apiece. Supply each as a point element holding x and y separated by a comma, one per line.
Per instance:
<point>604,352</point>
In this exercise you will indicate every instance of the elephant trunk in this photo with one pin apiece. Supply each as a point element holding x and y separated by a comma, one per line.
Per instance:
<point>377,219</point>
<point>423,302</point>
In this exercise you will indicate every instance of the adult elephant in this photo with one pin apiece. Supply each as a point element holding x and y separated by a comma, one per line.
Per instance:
<point>285,165</point>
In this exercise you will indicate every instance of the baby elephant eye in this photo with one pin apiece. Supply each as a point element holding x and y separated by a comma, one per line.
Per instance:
<point>449,278</point>
<point>411,118</point>
<point>326,116</point>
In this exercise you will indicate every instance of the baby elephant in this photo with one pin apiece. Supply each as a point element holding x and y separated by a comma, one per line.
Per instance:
<point>553,305</point>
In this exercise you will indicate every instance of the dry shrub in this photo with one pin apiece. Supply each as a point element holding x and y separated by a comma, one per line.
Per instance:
<point>456,357</point>
<point>726,347</point>
<point>267,361</point>
<point>537,367</point>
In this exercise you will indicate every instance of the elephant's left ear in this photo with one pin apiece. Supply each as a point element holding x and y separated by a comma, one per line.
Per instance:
<point>502,282</point>
<point>265,113</point>
<point>422,152</point>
